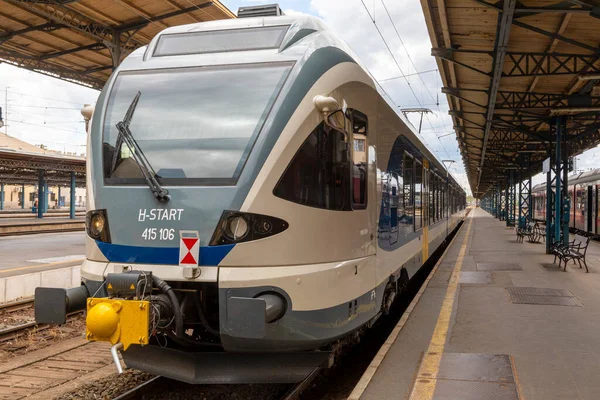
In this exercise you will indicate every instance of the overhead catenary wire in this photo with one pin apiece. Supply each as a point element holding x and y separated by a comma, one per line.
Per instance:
<point>48,107</point>
<point>407,75</point>
<point>48,127</point>
<point>403,75</point>
<point>44,98</point>
<point>436,100</point>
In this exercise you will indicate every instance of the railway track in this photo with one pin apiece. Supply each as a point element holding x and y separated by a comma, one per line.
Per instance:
<point>12,332</point>
<point>152,386</point>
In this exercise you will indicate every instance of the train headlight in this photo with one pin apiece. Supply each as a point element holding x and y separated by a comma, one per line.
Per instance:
<point>236,228</point>
<point>96,225</point>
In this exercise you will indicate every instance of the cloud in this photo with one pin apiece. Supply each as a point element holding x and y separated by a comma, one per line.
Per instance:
<point>44,110</point>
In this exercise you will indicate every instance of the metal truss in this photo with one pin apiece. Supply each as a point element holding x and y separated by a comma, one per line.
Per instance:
<point>47,27</point>
<point>58,13</point>
<point>528,64</point>
<point>36,165</point>
<point>51,181</point>
<point>563,7</point>
<point>532,100</point>
<point>43,67</point>
<point>117,39</point>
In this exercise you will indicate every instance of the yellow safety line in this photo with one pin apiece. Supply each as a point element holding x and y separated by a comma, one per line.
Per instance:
<point>369,373</point>
<point>430,365</point>
<point>42,265</point>
<point>516,378</point>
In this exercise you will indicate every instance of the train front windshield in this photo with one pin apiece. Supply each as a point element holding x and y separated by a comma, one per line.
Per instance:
<point>196,126</point>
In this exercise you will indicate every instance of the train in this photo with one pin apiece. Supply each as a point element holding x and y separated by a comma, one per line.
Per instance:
<point>253,203</point>
<point>583,188</point>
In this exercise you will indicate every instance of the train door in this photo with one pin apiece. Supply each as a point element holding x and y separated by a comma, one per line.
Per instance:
<point>573,212</point>
<point>588,213</point>
<point>394,198</point>
<point>579,207</point>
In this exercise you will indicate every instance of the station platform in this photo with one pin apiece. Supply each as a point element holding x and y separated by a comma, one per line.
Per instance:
<point>51,260</point>
<point>495,320</point>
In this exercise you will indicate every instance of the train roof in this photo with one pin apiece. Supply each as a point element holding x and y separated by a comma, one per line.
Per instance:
<point>577,178</point>
<point>298,37</point>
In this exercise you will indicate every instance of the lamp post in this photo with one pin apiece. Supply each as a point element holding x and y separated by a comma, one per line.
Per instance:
<point>449,162</point>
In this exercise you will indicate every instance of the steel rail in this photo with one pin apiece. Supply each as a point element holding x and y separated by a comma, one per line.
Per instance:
<point>16,305</point>
<point>141,389</point>
<point>13,332</point>
<point>295,391</point>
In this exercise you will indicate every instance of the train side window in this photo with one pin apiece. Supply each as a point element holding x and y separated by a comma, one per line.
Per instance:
<point>359,124</point>
<point>431,198</point>
<point>418,195</point>
<point>408,195</point>
<point>319,174</point>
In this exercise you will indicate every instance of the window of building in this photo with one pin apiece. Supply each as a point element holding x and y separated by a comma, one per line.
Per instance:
<point>359,145</point>
<point>319,174</point>
<point>418,195</point>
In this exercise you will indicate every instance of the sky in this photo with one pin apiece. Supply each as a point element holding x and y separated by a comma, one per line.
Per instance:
<point>44,110</point>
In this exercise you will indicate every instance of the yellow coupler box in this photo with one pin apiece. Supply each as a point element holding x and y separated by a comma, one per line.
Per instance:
<point>115,320</point>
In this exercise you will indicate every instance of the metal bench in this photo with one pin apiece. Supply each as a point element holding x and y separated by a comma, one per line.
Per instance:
<point>531,230</point>
<point>575,250</point>
<point>540,232</point>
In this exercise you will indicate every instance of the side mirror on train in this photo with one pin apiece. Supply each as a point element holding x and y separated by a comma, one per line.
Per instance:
<point>326,104</point>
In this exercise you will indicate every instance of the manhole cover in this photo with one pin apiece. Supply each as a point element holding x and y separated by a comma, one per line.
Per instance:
<point>474,377</point>
<point>476,367</point>
<point>498,267</point>
<point>475,277</point>
<point>543,296</point>
<point>536,291</point>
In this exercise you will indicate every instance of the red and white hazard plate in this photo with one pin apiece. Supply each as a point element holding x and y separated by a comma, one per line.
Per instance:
<point>189,248</point>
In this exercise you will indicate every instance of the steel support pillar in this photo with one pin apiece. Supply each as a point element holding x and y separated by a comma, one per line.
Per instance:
<point>524,202</point>
<point>503,205</point>
<point>58,202</point>
<point>549,212</point>
<point>1,196</point>
<point>72,205</point>
<point>566,201</point>
<point>497,203</point>
<point>23,196</point>
<point>511,200</point>
<point>47,197</point>
<point>41,194</point>
<point>558,182</point>
<point>557,190</point>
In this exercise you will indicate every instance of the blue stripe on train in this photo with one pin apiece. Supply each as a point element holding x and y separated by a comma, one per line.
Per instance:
<point>209,255</point>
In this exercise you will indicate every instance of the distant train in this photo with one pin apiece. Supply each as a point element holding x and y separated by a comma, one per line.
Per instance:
<point>584,190</point>
<point>253,201</point>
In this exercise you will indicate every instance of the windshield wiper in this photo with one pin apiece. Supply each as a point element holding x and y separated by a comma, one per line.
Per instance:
<point>137,154</point>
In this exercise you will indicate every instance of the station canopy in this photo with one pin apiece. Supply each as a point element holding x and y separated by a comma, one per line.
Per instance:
<point>83,41</point>
<point>20,163</point>
<point>509,68</point>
